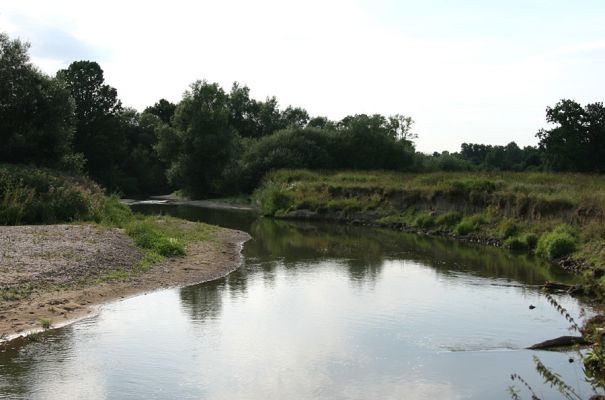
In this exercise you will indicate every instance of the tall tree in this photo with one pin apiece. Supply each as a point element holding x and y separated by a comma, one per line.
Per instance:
<point>202,142</point>
<point>577,142</point>
<point>98,135</point>
<point>162,109</point>
<point>36,113</point>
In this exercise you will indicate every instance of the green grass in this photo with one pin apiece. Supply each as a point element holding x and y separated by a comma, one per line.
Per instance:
<point>45,323</point>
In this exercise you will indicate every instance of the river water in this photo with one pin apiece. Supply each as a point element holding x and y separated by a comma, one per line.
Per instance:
<point>317,311</point>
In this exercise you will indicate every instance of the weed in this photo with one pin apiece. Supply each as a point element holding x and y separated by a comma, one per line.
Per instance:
<point>45,323</point>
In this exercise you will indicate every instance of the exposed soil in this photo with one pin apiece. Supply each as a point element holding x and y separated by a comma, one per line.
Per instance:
<point>55,272</point>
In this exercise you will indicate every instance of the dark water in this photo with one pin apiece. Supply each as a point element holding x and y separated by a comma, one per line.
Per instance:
<point>317,311</point>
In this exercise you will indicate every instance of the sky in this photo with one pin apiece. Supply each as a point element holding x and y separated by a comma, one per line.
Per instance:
<point>472,71</point>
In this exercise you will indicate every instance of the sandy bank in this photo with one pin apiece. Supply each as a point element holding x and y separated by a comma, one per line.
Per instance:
<point>58,272</point>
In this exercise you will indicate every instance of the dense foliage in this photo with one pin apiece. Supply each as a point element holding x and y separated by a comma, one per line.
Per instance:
<point>216,142</point>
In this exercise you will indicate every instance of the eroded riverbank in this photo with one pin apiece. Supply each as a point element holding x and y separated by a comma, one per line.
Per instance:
<point>55,274</point>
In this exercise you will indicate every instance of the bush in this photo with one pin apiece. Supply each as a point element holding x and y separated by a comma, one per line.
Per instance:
<point>521,243</point>
<point>41,196</point>
<point>507,229</point>
<point>424,220</point>
<point>469,224</point>
<point>114,213</point>
<point>274,200</point>
<point>558,243</point>
<point>448,219</point>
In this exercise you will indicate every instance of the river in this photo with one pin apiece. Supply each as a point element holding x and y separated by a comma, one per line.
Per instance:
<point>317,311</point>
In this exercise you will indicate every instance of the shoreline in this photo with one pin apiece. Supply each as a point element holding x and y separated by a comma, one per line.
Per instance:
<point>205,261</point>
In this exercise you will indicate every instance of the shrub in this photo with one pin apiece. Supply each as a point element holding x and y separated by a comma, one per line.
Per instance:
<point>274,200</point>
<point>424,220</point>
<point>558,243</point>
<point>114,213</point>
<point>524,242</point>
<point>469,224</point>
<point>449,219</point>
<point>507,229</point>
<point>35,195</point>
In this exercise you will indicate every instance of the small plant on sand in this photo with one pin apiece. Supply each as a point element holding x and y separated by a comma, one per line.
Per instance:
<point>46,323</point>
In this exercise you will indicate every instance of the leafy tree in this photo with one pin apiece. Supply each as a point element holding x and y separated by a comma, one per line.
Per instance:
<point>368,142</point>
<point>295,117</point>
<point>290,148</point>
<point>36,123</point>
<point>162,109</point>
<point>244,112</point>
<point>321,123</point>
<point>577,142</point>
<point>98,129</point>
<point>270,117</point>
<point>400,127</point>
<point>202,143</point>
<point>145,172</point>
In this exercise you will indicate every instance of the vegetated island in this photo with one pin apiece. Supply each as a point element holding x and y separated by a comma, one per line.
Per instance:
<point>54,274</point>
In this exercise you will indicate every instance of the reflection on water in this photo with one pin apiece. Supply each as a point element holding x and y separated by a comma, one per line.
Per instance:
<point>316,311</point>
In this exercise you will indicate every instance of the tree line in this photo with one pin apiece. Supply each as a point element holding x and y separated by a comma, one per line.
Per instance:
<point>217,142</point>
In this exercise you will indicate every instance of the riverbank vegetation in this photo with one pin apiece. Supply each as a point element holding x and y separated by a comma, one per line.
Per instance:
<point>554,215</point>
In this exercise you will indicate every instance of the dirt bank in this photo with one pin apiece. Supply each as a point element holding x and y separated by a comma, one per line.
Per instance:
<point>59,273</point>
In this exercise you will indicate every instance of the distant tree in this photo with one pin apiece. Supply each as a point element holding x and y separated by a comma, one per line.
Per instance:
<point>244,112</point>
<point>202,143</point>
<point>321,123</point>
<point>295,117</point>
<point>163,109</point>
<point>400,127</point>
<point>368,142</point>
<point>577,142</point>
<point>270,117</point>
<point>36,113</point>
<point>98,135</point>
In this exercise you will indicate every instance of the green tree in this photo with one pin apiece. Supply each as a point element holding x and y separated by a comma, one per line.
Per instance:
<point>162,109</point>
<point>244,112</point>
<point>144,172</point>
<point>295,117</point>
<point>202,143</point>
<point>369,142</point>
<point>36,113</point>
<point>98,129</point>
<point>577,142</point>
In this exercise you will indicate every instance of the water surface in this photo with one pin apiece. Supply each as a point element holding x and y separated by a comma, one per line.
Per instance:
<point>316,311</point>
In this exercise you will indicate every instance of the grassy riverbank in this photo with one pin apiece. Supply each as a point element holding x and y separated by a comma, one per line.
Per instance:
<point>558,216</point>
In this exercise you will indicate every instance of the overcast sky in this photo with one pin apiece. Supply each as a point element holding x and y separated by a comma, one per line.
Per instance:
<point>465,71</point>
